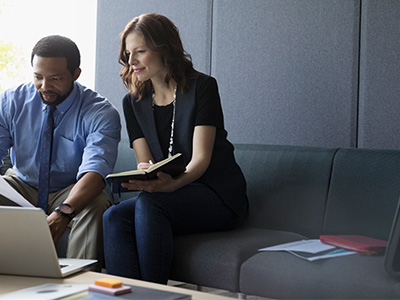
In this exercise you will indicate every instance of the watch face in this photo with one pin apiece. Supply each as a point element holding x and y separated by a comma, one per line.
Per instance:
<point>66,209</point>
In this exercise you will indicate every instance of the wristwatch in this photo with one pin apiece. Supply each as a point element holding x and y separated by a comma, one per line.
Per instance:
<point>66,210</point>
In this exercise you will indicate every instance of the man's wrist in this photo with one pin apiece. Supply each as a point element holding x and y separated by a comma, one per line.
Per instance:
<point>65,210</point>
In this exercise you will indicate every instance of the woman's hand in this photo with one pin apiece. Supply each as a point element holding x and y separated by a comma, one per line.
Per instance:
<point>144,166</point>
<point>163,184</point>
<point>203,144</point>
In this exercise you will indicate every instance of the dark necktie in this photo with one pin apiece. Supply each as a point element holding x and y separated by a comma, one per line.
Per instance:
<point>45,157</point>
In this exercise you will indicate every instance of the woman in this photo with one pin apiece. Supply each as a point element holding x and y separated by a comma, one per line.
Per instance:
<point>170,108</point>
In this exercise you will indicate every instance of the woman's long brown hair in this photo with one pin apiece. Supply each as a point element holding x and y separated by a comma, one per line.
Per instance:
<point>162,36</point>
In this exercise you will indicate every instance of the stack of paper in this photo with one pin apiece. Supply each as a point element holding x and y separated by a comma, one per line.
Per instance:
<point>310,250</point>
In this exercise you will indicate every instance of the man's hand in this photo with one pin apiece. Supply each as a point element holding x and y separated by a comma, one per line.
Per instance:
<point>84,191</point>
<point>58,224</point>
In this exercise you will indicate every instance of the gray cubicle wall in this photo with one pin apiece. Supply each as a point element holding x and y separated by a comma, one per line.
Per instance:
<point>289,72</point>
<point>379,115</point>
<point>192,17</point>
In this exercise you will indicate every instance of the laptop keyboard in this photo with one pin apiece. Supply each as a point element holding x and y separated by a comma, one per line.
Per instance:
<point>63,266</point>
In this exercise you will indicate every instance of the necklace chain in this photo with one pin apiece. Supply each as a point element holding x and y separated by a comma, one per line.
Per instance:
<point>171,138</point>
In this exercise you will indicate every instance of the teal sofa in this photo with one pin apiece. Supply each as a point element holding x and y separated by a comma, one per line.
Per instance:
<point>297,193</point>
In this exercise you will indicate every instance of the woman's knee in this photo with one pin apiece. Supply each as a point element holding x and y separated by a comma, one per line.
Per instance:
<point>124,209</point>
<point>109,214</point>
<point>146,203</point>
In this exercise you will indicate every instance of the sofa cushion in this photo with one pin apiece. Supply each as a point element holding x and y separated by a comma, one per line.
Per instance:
<point>287,186</point>
<point>283,275</point>
<point>5,164</point>
<point>126,161</point>
<point>364,192</point>
<point>214,259</point>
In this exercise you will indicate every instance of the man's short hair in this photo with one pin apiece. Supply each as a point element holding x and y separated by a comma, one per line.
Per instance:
<point>58,46</point>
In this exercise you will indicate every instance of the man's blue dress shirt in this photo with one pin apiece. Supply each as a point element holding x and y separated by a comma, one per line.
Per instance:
<point>87,131</point>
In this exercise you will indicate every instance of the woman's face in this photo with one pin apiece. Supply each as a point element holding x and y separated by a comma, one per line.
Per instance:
<point>146,63</point>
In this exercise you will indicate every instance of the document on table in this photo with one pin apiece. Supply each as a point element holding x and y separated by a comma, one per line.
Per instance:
<point>7,191</point>
<point>310,250</point>
<point>50,291</point>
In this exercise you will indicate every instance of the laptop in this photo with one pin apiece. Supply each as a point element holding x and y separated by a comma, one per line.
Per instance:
<point>27,247</point>
<point>392,255</point>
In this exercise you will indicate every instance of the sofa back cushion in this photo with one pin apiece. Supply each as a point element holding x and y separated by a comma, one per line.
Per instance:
<point>126,161</point>
<point>364,192</point>
<point>5,164</point>
<point>287,186</point>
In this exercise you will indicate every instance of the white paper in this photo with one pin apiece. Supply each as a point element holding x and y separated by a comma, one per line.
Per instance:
<point>308,246</point>
<point>7,191</point>
<point>323,255</point>
<point>47,291</point>
<point>310,250</point>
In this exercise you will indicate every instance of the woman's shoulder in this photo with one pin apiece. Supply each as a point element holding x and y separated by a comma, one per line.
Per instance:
<point>202,80</point>
<point>202,77</point>
<point>128,97</point>
<point>129,100</point>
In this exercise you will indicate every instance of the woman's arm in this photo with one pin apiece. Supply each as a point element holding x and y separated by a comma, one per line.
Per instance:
<point>203,144</point>
<point>142,153</point>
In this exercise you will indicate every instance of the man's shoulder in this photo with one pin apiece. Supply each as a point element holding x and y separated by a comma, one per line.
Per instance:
<point>90,98</point>
<point>18,96</point>
<point>94,106</point>
<point>22,89</point>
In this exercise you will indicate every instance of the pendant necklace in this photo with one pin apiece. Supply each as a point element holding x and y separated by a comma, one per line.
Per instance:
<point>171,138</point>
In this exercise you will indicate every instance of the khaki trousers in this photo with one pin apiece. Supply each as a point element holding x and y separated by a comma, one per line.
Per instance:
<point>86,236</point>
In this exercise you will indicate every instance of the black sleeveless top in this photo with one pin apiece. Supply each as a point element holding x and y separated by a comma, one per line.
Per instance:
<point>201,105</point>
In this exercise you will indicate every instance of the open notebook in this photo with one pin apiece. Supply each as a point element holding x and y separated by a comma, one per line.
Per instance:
<point>27,248</point>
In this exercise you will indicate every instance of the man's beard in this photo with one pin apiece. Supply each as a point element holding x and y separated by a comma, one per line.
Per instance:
<point>59,97</point>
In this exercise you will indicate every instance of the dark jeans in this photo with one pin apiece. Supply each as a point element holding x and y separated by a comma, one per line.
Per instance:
<point>138,233</point>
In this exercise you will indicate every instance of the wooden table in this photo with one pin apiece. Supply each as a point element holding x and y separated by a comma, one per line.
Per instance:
<point>10,283</point>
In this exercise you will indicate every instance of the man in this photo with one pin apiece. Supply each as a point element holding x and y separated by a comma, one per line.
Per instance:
<point>83,145</point>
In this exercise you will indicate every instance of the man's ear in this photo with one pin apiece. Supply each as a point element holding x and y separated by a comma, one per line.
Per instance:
<point>77,73</point>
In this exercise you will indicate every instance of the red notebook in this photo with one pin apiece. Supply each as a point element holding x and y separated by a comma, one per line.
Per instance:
<point>358,243</point>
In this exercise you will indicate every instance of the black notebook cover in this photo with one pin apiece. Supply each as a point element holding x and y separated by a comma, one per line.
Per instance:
<point>174,166</point>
